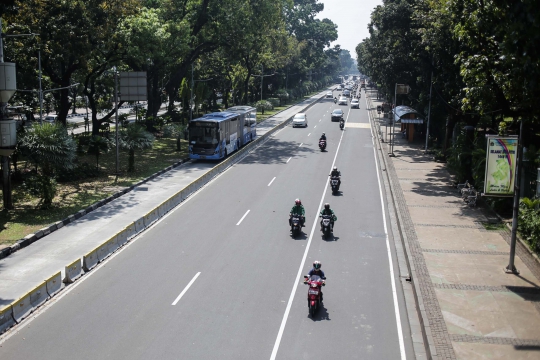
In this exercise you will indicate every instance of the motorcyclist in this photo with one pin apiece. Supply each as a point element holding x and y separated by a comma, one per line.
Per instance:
<point>323,137</point>
<point>336,173</point>
<point>298,209</point>
<point>328,211</point>
<point>335,99</point>
<point>316,270</point>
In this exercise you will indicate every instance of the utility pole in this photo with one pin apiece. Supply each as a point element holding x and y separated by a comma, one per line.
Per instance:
<point>191,98</point>
<point>262,72</point>
<point>511,269</point>
<point>429,110</point>
<point>41,91</point>
<point>116,120</point>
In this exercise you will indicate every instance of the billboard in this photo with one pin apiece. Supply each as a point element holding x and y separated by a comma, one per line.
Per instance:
<point>501,156</point>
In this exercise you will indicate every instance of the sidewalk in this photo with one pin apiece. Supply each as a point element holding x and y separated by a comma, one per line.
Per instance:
<point>23,270</point>
<point>471,308</point>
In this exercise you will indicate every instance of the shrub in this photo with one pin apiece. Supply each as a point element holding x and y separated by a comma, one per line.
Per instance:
<point>43,187</point>
<point>274,102</point>
<point>263,105</point>
<point>529,222</point>
<point>81,171</point>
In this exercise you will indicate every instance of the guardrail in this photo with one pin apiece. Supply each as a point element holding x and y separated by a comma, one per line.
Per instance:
<point>18,310</point>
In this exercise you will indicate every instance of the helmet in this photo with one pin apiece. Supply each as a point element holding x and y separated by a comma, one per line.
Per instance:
<point>298,202</point>
<point>317,265</point>
<point>327,206</point>
<point>323,134</point>
<point>335,168</point>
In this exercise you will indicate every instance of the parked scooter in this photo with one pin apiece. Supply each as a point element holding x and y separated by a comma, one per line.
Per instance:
<point>322,145</point>
<point>315,283</point>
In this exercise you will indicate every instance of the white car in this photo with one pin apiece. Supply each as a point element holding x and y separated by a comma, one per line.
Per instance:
<point>355,104</point>
<point>299,119</point>
<point>329,94</point>
<point>51,119</point>
<point>342,101</point>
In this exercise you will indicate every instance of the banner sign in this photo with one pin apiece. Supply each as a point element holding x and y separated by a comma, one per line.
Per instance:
<point>501,156</point>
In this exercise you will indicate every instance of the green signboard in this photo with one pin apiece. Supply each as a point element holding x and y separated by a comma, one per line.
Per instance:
<point>500,165</point>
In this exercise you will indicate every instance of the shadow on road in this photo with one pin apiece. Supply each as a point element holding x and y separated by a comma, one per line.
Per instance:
<point>321,314</point>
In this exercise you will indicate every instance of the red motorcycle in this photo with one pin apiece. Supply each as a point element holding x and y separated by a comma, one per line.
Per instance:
<point>315,283</point>
<point>322,144</point>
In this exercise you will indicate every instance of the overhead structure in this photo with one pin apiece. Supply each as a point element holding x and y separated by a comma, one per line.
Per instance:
<point>407,117</point>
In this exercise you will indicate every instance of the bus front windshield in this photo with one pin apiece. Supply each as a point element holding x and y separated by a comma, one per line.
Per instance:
<point>203,135</point>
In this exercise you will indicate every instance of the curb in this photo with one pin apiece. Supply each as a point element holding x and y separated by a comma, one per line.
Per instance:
<point>429,342</point>
<point>31,238</point>
<point>524,244</point>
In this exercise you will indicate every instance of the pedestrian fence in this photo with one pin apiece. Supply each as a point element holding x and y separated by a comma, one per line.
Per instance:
<point>18,310</point>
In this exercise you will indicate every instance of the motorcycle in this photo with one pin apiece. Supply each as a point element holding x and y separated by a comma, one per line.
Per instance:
<point>295,225</point>
<point>334,182</point>
<point>322,145</point>
<point>335,100</point>
<point>314,298</point>
<point>326,226</point>
<point>341,124</point>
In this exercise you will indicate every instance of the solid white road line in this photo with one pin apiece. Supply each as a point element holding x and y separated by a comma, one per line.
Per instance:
<point>392,276</point>
<point>270,183</point>
<point>289,159</point>
<point>302,263</point>
<point>247,212</point>
<point>186,288</point>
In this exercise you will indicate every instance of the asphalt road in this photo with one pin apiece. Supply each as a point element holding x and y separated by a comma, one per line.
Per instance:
<point>230,244</point>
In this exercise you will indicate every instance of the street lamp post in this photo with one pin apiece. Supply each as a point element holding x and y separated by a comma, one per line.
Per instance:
<point>191,102</point>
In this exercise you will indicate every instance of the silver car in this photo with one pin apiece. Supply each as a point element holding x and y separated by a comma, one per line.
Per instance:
<point>342,101</point>
<point>300,119</point>
<point>355,104</point>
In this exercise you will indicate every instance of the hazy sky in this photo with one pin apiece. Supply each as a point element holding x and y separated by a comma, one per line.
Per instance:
<point>351,17</point>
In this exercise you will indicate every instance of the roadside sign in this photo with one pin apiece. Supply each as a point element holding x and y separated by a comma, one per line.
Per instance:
<point>500,165</point>
<point>402,89</point>
<point>133,86</point>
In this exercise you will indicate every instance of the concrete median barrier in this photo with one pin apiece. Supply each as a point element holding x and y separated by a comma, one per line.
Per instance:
<point>139,225</point>
<point>22,308</point>
<point>39,295</point>
<point>151,217</point>
<point>73,271</point>
<point>54,283</point>
<point>122,237</point>
<point>163,209</point>
<point>113,243</point>
<point>6,318</point>
<point>90,260</point>
<point>130,230</point>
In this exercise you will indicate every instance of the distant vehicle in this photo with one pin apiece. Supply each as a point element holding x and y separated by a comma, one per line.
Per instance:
<point>216,135</point>
<point>342,100</point>
<point>337,115</point>
<point>300,119</point>
<point>51,119</point>
<point>346,92</point>
<point>329,94</point>
<point>355,104</point>
<point>342,85</point>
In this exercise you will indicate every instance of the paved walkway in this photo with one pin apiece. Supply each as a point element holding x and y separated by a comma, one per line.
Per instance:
<point>26,268</point>
<point>474,309</point>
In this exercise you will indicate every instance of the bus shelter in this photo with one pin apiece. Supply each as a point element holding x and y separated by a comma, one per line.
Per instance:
<point>408,118</point>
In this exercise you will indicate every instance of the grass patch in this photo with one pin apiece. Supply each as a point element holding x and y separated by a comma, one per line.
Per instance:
<point>494,226</point>
<point>27,217</point>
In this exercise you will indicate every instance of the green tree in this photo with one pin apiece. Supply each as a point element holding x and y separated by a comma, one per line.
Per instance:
<point>50,149</point>
<point>98,145</point>
<point>134,137</point>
